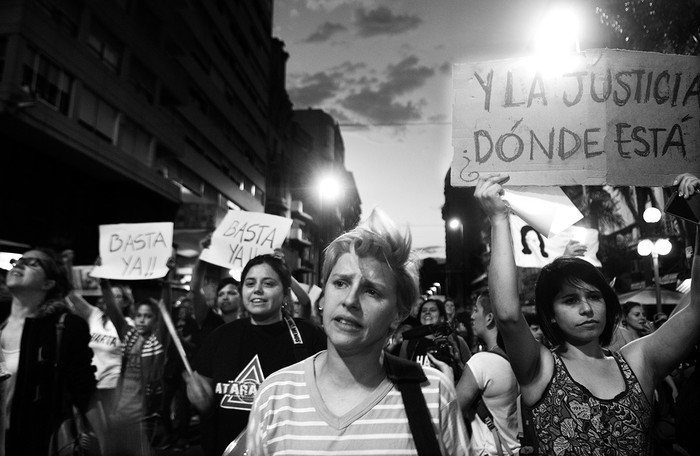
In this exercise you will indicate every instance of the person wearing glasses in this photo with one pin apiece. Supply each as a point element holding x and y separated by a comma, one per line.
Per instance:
<point>38,395</point>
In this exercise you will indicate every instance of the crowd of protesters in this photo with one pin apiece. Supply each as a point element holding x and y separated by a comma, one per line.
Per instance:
<point>377,369</point>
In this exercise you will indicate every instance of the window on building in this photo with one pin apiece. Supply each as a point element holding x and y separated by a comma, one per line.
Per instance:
<point>97,115</point>
<point>65,13</point>
<point>48,81</point>
<point>135,141</point>
<point>143,80</point>
<point>105,46</point>
<point>3,54</point>
<point>198,100</point>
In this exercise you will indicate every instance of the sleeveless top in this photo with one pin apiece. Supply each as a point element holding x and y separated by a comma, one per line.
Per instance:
<point>569,420</point>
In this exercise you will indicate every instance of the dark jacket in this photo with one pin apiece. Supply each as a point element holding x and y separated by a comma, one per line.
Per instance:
<point>36,408</point>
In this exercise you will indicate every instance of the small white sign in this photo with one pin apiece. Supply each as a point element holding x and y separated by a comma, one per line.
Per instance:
<point>244,235</point>
<point>134,251</point>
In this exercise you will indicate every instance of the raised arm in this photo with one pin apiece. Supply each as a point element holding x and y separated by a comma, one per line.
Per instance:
<point>655,356</point>
<point>303,297</point>
<point>525,352</point>
<point>199,301</point>
<point>112,309</point>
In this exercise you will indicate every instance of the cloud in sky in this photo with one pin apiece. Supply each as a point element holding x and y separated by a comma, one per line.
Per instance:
<point>381,21</point>
<point>380,107</point>
<point>314,89</point>
<point>325,32</point>
<point>370,97</point>
<point>380,104</point>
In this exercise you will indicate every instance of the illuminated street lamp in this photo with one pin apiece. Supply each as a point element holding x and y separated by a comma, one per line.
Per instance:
<point>655,248</point>
<point>557,32</point>
<point>329,189</point>
<point>651,215</point>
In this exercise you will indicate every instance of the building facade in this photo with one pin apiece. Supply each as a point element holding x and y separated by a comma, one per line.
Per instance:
<point>134,111</point>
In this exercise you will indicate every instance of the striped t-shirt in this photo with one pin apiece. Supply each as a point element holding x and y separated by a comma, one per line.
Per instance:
<point>289,417</point>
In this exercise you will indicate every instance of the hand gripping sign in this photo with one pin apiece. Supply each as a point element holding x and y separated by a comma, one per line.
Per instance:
<point>244,235</point>
<point>134,251</point>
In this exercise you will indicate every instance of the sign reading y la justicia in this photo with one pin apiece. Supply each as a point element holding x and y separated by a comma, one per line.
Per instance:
<point>598,117</point>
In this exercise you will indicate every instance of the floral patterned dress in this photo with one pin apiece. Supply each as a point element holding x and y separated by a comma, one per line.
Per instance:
<point>569,420</point>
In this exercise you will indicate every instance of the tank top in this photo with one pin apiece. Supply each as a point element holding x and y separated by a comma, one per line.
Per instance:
<point>569,420</point>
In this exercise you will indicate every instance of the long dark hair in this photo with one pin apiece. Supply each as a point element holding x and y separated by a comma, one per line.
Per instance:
<point>573,271</point>
<point>526,249</point>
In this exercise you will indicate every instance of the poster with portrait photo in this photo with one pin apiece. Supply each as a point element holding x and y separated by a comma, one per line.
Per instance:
<point>532,250</point>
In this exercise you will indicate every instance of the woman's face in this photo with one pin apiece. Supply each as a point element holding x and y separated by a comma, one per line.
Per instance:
<point>263,294</point>
<point>228,299</point>
<point>450,308</point>
<point>532,241</point>
<point>28,273</point>
<point>360,306</point>
<point>580,312</point>
<point>430,314</point>
<point>636,320</point>
<point>145,319</point>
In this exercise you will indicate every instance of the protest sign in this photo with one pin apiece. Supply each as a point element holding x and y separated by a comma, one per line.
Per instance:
<point>134,251</point>
<point>244,235</point>
<point>532,250</point>
<point>600,117</point>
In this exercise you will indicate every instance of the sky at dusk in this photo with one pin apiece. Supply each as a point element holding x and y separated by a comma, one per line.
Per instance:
<point>383,70</point>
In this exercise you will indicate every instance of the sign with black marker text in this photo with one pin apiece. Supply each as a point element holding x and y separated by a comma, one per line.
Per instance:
<point>134,251</point>
<point>598,117</point>
<point>244,235</point>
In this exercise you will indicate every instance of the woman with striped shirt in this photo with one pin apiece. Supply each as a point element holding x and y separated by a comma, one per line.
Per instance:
<point>340,400</point>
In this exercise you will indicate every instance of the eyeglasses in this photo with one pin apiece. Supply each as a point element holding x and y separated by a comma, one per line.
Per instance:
<point>32,262</point>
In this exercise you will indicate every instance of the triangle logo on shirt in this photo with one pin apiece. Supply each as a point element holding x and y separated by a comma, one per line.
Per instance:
<point>238,394</point>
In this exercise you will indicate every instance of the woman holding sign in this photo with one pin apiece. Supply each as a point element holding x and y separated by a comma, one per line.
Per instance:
<point>584,399</point>
<point>140,386</point>
<point>235,359</point>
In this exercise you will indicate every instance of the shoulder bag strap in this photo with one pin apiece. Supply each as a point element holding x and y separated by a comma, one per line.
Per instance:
<point>300,351</point>
<point>408,376</point>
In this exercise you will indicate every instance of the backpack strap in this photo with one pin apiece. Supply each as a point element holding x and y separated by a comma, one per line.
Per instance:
<point>407,376</point>
<point>486,416</point>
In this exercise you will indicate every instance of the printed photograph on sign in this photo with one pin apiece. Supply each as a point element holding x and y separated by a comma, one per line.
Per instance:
<point>533,250</point>
<point>134,251</point>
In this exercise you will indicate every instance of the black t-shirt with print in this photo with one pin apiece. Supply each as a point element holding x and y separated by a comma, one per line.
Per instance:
<point>238,356</point>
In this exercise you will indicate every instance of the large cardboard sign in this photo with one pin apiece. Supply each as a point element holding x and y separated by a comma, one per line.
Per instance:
<point>134,251</point>
<point>244,235</point>
<point>599,117</point>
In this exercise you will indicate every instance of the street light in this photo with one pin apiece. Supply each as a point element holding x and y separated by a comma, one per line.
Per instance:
<point>655,248</point>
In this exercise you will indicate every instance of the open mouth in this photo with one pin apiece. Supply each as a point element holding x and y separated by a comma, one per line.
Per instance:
<point>347,323</point>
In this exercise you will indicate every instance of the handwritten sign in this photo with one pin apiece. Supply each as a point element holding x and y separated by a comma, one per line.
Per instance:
<point>244,235</point>
<point>601,117</point>
<point>134,251</point>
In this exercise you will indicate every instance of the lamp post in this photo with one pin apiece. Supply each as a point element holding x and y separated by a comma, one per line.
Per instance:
<point>655,248</point>
<point>455,224</point>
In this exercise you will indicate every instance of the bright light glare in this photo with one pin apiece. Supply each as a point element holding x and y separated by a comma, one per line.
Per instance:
<point>651,215</point>
<point>662,246</point>
<point>454,224</point>
<point>329,188</point>
<point>645,247</point>
<point>557,33</point>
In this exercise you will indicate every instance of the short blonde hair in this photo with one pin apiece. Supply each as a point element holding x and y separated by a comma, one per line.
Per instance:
<point>379,238</point>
